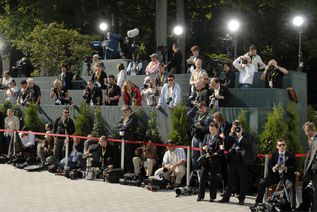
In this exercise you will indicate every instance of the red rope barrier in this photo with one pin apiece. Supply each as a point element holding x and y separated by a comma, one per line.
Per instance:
<point>127,141</point>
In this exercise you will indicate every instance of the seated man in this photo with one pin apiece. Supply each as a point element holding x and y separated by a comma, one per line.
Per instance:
<point>45,147</point>
<point>75,155</point>
<point>170,94</point>
<point>101,155</point>
<point>145,157</point>
<point>281,167</point>
<point>220,94</point>
<point>28,146</point>
<point>92,94</point>
<point>173,165</point>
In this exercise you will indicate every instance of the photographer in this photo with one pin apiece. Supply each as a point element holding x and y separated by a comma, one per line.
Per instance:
<point>273,75</point>
<point>75,155</point>
<point>145,156</point>
<point>12,92</point>
<point>102,155</point>
<point>131,94</point>
<point>60,93</point>
<point>113,92</point>
<point>25,94</point>
<point>150,92</point>
<point>99,75</point>
<point>230,76</point>
<point>173,165</point>
<point>92,94</point>
<point>66,77</point>
<point>201,94</point>
<point>240,156</point>
<point>200,118</point>
<point>255,58</point>
<point>281,167</point>
<point>191,61</point>
<point>161,76</point>
<point>170,93</point>
<point>212,148</point>
<point>174,65</point>
<point>24,67</point>
<point>246,69</point>
<point>135,67</point>
<point>220,94</point>
<point>35,90</point>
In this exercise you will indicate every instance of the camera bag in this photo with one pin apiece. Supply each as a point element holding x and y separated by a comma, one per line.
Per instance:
<point>113,175</point>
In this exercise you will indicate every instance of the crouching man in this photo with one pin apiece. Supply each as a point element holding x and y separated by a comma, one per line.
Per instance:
<point>101,156</point>
<point>75,155</point>
<point>173,166</point>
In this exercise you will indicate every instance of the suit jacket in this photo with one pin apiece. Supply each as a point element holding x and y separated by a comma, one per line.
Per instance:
<point>289,163</point>
<point>247,154</point>
<point>129,127</point>
<point>201,96</point>
<point>174,65</point>
<point>223,91</point>
<point>203,119</point>
<point>310,156</point>
<point>110,157</point>
<point>66,79</point>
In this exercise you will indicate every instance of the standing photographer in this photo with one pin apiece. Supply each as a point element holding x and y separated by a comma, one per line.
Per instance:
<point>92,94</point>
<point>170,93</point>
<point>240,156</point>
<point>201,119</point>
<point>60,93</point>
<point>220,94</point>
<point>212,148</point>
<point>281,167</point>
<point>273,75</point>
<point>246,69</point>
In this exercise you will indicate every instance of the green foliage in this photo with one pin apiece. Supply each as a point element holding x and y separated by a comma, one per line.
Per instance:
<point>98,128</point>
<point>49,45</point>
<point>180,133</point>
<point>292,137</point>
<point>82,120</point>
<point>312,115</point>
<point>142,123</point>
<point>274,128</point>
<point>243,118</point>
<point>32,118</point>
<point>152,133</point>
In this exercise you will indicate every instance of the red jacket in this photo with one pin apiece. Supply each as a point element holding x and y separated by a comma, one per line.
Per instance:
<point>135,93</point>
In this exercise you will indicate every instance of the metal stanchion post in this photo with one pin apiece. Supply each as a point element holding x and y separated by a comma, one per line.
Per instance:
<point>188,166</point>
<point>14,141</point>
<point>66,152</point>
<point>266,169</point>
<point>122,149</point>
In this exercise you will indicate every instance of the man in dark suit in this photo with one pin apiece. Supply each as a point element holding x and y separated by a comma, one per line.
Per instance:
<point>128,126</point>
<point>310,165</point>
<point>65,77</point>
<point>201,94</point>
<point>220,94</point>
<point>174,65</point>
<point>240,156</point>
<point>281,167</point>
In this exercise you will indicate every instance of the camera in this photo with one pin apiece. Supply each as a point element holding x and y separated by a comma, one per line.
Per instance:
<point>244,61</point>
<point>168,101</point>
<point>212,101</point>
<point>237,129</point>
<point>74,174</point>
<point>185,191</point>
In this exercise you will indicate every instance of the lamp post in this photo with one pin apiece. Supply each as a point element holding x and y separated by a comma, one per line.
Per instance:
<point>233,27</point>
<point>298,22</point>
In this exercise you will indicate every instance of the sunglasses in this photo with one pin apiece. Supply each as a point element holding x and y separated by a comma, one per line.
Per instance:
<point>66,112</point>
<point>170,80</point>
<point>281,144</point>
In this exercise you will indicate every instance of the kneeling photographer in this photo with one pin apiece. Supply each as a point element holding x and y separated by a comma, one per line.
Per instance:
<point>241,154</point>
<point>100,156</point>
<point>281,168</point>
<point>212,148</point>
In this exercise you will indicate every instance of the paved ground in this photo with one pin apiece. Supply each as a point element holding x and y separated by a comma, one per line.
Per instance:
<point>43,191</point>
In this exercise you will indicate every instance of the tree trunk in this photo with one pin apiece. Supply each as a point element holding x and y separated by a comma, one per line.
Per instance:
<point>161,22</point>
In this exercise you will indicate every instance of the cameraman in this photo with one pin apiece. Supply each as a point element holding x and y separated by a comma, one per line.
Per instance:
<point>150,92</point>
<point>220,94</point>
<point>212,148</point>
<point>240,156</point>
<point>201,93</point>
<point>246,69</point>
<point>170,93</point>
<point>281,167</point>
<point>200,118</point>
<point>92,94</point>
<point>273,75</point>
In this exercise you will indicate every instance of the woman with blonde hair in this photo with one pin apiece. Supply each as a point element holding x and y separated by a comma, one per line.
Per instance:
<point>60,93</point>
<point>131,94</point>
<point>99,76</point>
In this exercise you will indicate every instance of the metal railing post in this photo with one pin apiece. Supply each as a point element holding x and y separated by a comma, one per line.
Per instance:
<point>66,152</point>
<point>14,141</point>
<point>122,149</point>
<point>188,167</point>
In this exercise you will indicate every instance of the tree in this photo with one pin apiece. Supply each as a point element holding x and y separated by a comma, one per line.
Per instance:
<point>242,117</point>
<point>152,133</point>
<point>49,45</point>
<point>82,120</point>
<point>32,118</point>
<point>312,115</point>
<point>98,128</point>
<point>293,128</point>
<point>274,128</point>
<point>180,133</point>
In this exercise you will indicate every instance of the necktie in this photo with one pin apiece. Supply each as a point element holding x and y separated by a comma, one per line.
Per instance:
<point>281,159</point>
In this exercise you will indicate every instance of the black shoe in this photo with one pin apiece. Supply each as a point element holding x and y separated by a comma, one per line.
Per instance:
<point>211,200</point>
<point>223,200</point>
<point>199,199</point>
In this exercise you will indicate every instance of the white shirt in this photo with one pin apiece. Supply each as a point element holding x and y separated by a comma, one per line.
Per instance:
<point>27,140</point>
<point>256,62</point>
<point>15,90</point>
<point>246,74</point>
<point>174,157</point>
<point>173,92</point>
<point>121,77</point>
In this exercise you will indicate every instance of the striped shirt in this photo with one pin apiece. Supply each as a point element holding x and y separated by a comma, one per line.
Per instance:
<point>172,157</point>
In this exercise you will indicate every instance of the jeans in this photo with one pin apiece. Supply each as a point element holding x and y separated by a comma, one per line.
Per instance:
<point>73,162</point>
